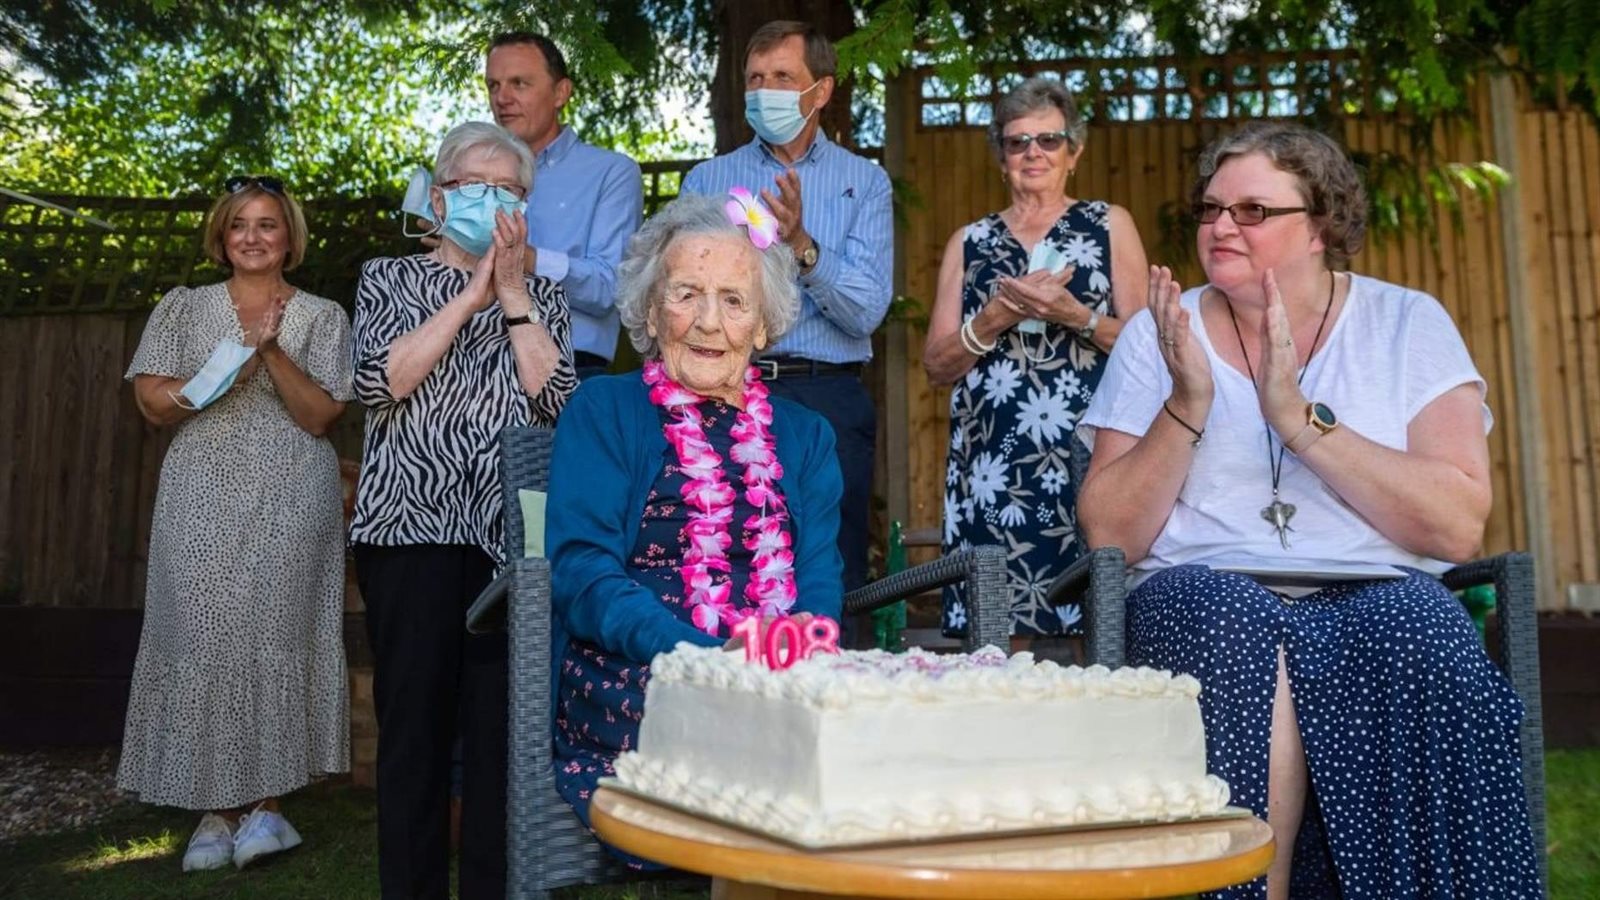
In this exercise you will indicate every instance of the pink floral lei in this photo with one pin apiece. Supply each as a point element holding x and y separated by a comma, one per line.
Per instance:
<point>710,497</point>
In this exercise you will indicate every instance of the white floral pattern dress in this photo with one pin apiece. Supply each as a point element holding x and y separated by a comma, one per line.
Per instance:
<point>1009,478</point>
<point>239,687</point>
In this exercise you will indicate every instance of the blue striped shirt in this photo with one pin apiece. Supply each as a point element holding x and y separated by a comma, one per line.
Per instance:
<point>586,203</point>
<point>845,205</point>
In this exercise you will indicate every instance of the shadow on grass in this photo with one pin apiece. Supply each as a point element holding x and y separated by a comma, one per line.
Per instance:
<point>137,854</point>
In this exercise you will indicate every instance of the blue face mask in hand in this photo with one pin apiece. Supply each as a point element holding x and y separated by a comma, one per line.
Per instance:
<point>775,115</point>
<point>469,220</point>
<point>216,376</point>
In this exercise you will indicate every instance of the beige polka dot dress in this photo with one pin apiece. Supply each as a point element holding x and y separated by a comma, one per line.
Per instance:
<point>239,689</point>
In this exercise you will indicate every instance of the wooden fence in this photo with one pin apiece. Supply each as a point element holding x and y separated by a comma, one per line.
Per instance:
<point>78,465</point>
<point>1520,275</point>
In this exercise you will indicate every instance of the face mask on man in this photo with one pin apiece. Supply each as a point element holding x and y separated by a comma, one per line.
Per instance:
<point>216,376</point>
<point>775,115</point>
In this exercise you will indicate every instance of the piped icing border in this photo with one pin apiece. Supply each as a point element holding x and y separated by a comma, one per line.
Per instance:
<point>925,814</point>
<point>853,678</point>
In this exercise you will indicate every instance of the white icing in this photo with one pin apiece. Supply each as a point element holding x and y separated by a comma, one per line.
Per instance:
<point>857,747</point>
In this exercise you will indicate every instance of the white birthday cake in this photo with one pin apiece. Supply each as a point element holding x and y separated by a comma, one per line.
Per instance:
<point>863,747</point>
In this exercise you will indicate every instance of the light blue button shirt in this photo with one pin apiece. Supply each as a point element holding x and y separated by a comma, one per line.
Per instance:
<point>586,203</point>
<point>845,205</point>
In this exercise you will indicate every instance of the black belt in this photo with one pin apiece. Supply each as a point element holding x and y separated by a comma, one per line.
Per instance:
<point>796,367</point>
<point>587,360</point>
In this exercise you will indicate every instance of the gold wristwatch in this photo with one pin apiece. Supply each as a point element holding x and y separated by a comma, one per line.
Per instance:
<point>1319,421</point>
<point>807,258</point>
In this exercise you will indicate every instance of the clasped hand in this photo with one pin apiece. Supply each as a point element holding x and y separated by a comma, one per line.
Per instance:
<point>499,272</point>
<point>1043,295</point>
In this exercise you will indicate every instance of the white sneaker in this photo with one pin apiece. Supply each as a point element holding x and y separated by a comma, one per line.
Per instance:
<point>260,833</point>
<point>210,846</point>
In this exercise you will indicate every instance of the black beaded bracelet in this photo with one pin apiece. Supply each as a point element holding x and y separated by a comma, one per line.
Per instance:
<point>1198,434</point>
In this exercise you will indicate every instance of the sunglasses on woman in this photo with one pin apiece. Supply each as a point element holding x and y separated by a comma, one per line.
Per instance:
<point>474,190</point>
<point>1242,213</point>
<point>1048,141</point>
<point>267,183</point>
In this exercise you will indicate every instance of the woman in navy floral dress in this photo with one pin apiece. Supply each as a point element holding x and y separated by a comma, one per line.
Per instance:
<point>1023,342</point>
<point>683,498</point>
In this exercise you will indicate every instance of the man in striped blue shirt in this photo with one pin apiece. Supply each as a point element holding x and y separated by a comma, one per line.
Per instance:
<point>833,210</point>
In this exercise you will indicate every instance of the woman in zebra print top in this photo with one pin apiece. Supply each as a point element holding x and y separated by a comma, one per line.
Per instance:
<point>450,347</point>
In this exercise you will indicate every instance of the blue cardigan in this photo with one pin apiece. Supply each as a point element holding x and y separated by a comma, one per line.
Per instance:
<point>608,452</point>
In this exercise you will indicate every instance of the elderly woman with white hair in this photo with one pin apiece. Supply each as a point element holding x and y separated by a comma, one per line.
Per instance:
<point>683,499</point>
<point>450,347</point>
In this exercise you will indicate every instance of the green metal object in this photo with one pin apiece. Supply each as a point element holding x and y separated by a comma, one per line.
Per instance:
<point>890,621</point>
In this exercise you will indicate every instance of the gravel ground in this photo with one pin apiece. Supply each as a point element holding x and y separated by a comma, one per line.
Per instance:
<point>56,790</point>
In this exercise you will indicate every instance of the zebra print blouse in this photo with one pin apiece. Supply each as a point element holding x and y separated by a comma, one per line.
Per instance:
<point>430,465</point>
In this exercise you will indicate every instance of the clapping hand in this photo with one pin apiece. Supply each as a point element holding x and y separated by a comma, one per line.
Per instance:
<point>1192,387</point>
<point>479,292</point>
<point>510,248</point>
<point>1282,402</point>
<point>271,324</point>
<point>786,208</point>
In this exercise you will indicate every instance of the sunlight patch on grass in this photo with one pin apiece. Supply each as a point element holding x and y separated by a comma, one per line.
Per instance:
<point>108,853</point>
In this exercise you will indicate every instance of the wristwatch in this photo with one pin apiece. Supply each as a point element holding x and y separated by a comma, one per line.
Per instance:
<point>807,258</point>
<point>513,321</point>
<point>1088,328</point>
<point>1319,421</point>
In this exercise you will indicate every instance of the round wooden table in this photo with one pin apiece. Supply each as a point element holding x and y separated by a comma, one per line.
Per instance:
<point>1146,861</point>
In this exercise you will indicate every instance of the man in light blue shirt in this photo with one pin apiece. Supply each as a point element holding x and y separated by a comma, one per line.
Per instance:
<point>833,210</point>
<point>586,202</point>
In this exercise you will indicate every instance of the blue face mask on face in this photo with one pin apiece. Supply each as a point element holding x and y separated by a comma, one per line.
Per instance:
<point>469,221</point>
<point>775,115</point>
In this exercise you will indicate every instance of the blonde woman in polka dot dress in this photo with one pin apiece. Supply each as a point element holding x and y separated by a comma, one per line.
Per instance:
<point>1288,456</point>
<point>239,693</point>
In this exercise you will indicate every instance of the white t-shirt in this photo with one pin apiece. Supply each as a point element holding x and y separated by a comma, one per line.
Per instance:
<point>1391,352</point>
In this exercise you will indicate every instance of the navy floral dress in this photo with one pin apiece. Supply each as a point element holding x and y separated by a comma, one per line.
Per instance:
<point>1009,479</point>
<point>600,697</point>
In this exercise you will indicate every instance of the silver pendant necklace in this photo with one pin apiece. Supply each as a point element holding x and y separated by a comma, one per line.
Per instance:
<point>1278,513</point>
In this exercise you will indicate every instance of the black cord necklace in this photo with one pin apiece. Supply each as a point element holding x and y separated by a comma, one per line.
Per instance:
<point>1277,512</point>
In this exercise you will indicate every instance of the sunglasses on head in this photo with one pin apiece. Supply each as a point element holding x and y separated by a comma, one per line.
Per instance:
<point>267,183</point>
<point>1048,141</point>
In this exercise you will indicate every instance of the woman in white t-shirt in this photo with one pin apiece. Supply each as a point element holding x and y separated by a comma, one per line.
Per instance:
<point>1288,419</point>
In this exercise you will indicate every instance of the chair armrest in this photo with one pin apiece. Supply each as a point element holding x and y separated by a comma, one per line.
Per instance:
<point>1098,583</point>
<point>988,603</point>
<point>487,614</point>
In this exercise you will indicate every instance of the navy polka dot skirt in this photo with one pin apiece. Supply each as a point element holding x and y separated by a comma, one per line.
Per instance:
<point>1410,731</point>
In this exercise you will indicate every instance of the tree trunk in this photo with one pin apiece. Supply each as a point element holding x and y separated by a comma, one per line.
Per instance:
<point>736,20</point>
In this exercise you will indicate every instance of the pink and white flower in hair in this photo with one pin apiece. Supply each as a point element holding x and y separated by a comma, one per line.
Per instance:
<point>745,209</point>
<point>710,498</point>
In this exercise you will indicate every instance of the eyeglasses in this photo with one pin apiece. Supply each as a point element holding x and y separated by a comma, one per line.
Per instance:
<point>267,183</point>
<point>1048,141</point>
<point>474,190</point>
<point>1242,213</point>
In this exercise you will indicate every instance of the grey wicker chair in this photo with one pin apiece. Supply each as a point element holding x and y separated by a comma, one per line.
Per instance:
<point>547,846</point>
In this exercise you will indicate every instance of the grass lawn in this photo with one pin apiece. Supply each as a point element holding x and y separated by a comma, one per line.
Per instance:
<point>135,854</point>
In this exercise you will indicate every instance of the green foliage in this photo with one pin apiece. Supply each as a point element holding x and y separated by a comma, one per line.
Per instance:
<point>174,97</point>
<point>629,60</point>
<point>1559,41</point>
